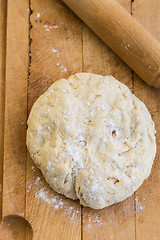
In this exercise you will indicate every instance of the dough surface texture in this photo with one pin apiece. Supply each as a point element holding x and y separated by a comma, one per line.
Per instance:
<point>92,139</point>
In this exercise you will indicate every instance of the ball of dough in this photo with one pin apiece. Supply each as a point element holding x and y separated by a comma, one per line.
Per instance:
<point>92,139</point>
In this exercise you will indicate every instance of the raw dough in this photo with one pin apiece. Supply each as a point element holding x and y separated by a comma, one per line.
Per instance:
<point>92,139</point>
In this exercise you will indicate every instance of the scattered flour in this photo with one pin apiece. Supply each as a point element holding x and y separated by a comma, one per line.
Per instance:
<point>126,48</point>
<point>54,50</point>
<point>64,69</point>
<point>59,63</point>
<point>37,180</point>
<point>38,15</point>
<point>33,169</point>
<point>96,220</point>
<point>50,27</point>
<point>139,205</point>
<point>57,202</point>
<point>55,26</point>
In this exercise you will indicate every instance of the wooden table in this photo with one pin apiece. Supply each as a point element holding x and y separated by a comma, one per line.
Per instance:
<point>40,42</point>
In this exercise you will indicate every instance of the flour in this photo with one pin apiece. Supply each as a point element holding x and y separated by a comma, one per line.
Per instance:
<point>96,220</point>
<point>50,27</point>
<point>37,180</point>
<point>38,15</point>
<point>139,205</point>
<point>63,69</point>
<point>59,63</point>
<point>55,26</point>
<point>126,48</point>
<point>57,202</point>
<point>54,50</point>
<point>43,194</point>
<point>33,169</point>
<point>48,196</point>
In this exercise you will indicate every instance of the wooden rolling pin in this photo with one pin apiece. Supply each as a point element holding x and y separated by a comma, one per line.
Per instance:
<point>123,34</point>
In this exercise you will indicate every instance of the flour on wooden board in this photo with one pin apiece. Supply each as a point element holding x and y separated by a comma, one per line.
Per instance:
<point>59,63</point>
<point>55,51</point>
<point>47,27</point>
<point>57,203</point>
<point>139,205</point>
<point>38,15</point>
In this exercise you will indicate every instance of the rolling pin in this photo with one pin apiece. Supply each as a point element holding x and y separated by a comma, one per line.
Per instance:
<point>123,34</point>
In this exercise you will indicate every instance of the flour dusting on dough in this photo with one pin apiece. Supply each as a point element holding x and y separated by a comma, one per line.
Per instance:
<point>92,139</point>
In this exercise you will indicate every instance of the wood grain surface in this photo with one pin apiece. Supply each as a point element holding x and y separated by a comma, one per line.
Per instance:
<point>3,24</point>
<point>15,113</point>
<point>46,41</point>
<point>148,195</point>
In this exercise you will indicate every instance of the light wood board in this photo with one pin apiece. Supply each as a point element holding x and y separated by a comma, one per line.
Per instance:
<point>45,41</point>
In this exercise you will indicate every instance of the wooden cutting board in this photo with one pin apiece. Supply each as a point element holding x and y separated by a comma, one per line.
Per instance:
<point>45,41</point>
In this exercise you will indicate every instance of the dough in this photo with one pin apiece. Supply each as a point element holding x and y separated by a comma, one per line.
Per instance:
<point>92,139</point>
